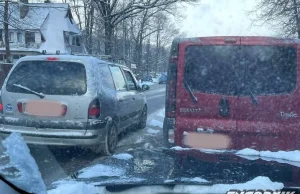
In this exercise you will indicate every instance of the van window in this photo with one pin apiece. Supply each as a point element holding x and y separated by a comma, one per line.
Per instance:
<point>130,80</point>
<point>230,70</point>
<point>49,77</point>
<point>106,76</point>
<point>118,78</point>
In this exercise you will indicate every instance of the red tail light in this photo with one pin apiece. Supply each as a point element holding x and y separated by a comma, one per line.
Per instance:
<point>20,107</point>
<point>64,110</point>
<point>52,59</point>
<point>94,109</point>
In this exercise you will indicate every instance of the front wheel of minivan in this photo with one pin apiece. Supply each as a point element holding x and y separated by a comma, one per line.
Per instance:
<point>143,119</point>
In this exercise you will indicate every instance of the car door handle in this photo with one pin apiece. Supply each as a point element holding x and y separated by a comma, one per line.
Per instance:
<point>133,98</point>
<point>120,100</point>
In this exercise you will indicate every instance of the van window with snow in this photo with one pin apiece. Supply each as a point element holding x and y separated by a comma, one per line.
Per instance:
<point>229,70</point>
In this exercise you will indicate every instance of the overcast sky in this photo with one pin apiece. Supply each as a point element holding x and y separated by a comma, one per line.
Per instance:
<point>222,17</point>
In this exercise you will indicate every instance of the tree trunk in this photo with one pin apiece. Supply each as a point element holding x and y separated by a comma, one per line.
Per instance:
<point>108,37</point>
<point>296,17</point>
<point>90,30</point>
<point>7,49</point>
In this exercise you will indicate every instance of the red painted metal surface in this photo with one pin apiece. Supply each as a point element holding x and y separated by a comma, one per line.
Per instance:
<point>259,127</point>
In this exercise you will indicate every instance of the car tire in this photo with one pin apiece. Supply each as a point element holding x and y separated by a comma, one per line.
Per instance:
<point>110,143</point>
<point>143,119</point>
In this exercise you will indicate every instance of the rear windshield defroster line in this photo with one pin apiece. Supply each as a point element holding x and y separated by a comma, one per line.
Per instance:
<point>49,78</point>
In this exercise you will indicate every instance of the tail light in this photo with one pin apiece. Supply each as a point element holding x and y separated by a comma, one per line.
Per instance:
<point>64,110</point>
<point>20,107</point>
<point>1,106</point>
<point>94,109</point>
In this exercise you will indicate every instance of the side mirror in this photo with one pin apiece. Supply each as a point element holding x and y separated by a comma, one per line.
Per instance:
<point>145,87</point>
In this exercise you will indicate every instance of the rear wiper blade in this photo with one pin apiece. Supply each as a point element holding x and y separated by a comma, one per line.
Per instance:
<point>253,97</point>
<point>41,95</point>
<point>191,92</point>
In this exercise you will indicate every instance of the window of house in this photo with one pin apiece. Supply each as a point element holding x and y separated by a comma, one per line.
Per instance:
<point>77,41</point>
<point>11,37</point>
<point>74,41</point>
<point>20,37</point>
<point>29,37</point>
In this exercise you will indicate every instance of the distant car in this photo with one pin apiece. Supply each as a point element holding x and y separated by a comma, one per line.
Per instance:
<point>71,101</point>
<point>147,78</point>
<point>162,79</point>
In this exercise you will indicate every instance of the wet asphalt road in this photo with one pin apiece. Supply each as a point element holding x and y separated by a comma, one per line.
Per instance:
<point>57,163</point>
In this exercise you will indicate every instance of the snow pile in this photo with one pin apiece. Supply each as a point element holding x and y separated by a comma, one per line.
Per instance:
<point>156,123</point>
<point>123,156</point>
<point>29,177</point>
<point>74,188</point>
<point>161,113</point>
<point>139,140</point>
<point>152,131</point>
<point>100,170</point>
<point>178,148</point>
<point>260,182</point>
<point>155,80</point>
<point>196,179</point>
<point>285,155</point>
<point>147,83</point>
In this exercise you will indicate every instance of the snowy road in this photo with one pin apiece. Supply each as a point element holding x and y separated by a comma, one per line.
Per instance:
<point>55,163</point>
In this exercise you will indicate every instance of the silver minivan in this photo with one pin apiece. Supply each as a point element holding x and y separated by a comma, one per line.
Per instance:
<point>71,101</point>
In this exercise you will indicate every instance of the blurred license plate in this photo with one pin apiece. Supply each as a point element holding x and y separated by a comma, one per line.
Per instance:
<point>206,141</point>
<point>43,108</point>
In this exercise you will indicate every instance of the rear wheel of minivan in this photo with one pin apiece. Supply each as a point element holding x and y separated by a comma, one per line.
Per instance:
<point>111,141</point>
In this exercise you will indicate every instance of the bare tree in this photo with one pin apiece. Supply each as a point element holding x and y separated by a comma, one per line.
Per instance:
<point>282,14</point>
<point>5,23</point>
<point>115,11</point>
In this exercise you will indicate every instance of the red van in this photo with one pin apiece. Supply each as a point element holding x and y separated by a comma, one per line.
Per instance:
<point>233,93</point>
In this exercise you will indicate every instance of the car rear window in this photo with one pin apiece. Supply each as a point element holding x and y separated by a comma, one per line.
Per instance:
<point>49,77</point>
<point>231,70</point>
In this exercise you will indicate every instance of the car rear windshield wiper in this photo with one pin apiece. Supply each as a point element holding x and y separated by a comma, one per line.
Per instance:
<point>191,92</point>
<point>41,95</point>
<point>253,97</point>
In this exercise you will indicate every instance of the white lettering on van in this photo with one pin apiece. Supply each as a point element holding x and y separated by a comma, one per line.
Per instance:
<point>288,115</point>
<point>185,110</point>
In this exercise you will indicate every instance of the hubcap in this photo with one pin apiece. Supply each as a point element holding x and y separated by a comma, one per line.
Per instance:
<point>113,138</point>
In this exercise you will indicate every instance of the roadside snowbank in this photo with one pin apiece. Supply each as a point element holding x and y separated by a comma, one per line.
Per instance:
<point>100,170</point>
<point>147,83</point>
<point>260,182</point>
<point>28,176</point>
<point>74,187</point>
<point>285,155</point>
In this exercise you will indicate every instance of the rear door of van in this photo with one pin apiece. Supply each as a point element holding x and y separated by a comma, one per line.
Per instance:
<point>207,91</point>
<point>270,99</point>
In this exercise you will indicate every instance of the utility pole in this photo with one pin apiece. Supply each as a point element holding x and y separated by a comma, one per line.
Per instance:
<point>7,49</point>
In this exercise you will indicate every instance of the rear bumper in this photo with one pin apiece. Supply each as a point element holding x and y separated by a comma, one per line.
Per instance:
<point>242,134</point>
<point>94,133</point>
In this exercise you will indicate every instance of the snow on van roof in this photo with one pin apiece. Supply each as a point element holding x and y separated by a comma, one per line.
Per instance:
<point>84,58</point>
